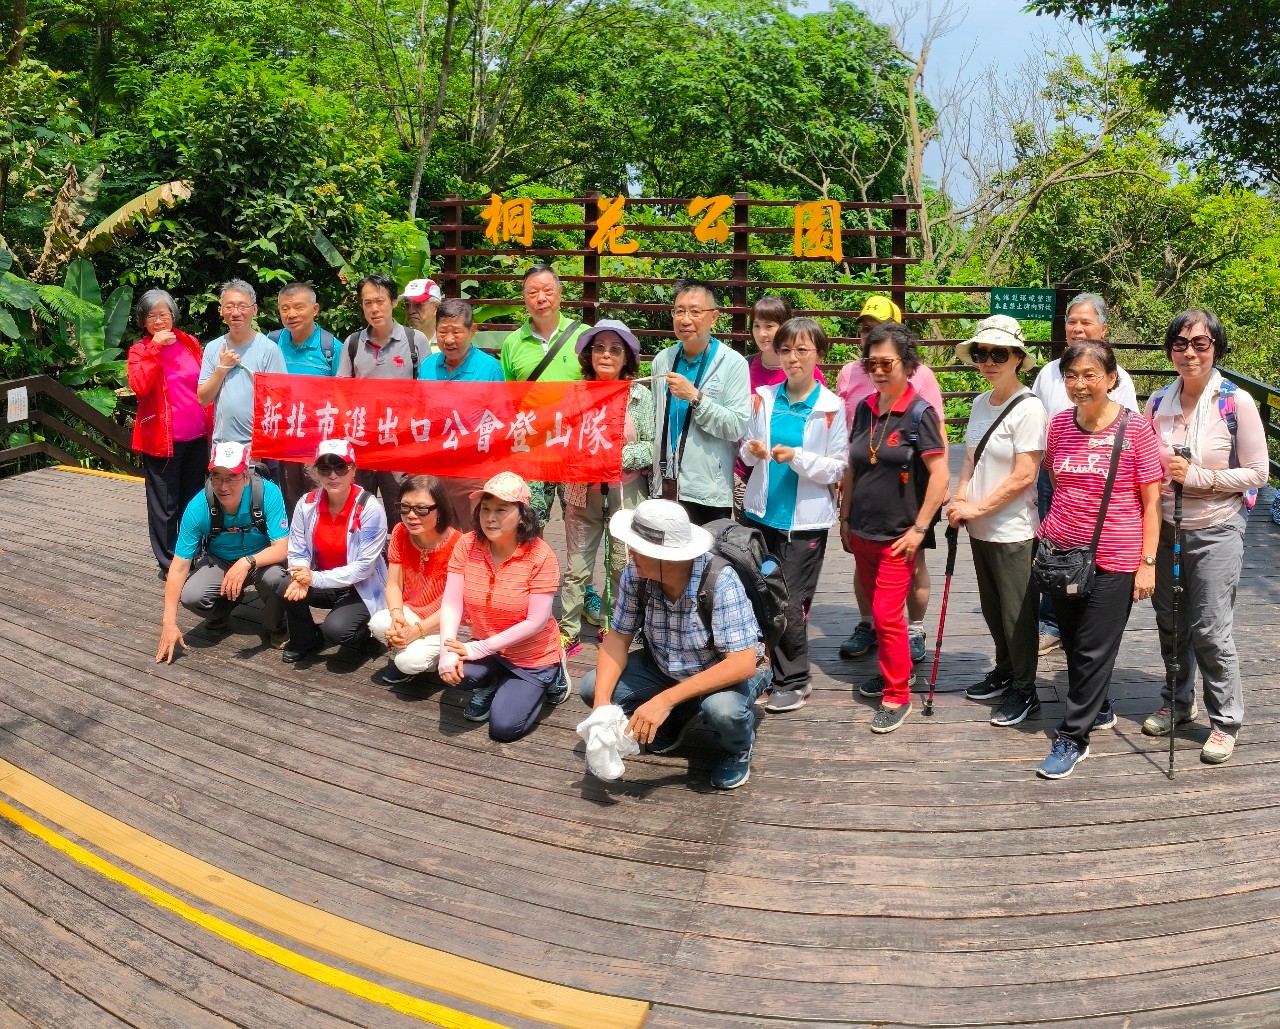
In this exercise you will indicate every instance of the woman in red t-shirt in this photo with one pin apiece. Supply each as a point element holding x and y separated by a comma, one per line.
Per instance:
<point>417,566</point>
<point>1078,458</point>
<point>502,577</point>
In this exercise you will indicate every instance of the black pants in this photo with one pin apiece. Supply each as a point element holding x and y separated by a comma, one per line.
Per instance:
<point>1009,604</point>
<point>387,485</point>
<point>346,623</point>
<point>700,514</point>
<point>1091,632</point>
<point>801,555</point>
<point>171,482</point>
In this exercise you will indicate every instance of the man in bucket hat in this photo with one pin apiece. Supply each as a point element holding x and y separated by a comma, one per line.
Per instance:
<point>683,670</point>
<point>244,541</point>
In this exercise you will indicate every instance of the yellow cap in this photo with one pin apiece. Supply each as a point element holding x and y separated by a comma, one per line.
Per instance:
<point>882,309</point>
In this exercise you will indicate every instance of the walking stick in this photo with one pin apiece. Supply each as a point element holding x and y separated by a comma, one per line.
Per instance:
<point>953,538</point>
<point>607,610</point>
<point>1175,666</point>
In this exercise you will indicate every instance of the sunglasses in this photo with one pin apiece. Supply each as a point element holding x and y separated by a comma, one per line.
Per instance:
<point>996,355</point>
<point>879,364</point>
<point>421,510</point>
<point>1200,344</point>
<point>332,467</point>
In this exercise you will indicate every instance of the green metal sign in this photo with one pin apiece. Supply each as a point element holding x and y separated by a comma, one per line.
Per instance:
<point>1035,305</point>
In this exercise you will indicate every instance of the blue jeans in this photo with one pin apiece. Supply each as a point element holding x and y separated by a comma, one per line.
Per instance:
<point>1044,498</point>
<point>727,712</point>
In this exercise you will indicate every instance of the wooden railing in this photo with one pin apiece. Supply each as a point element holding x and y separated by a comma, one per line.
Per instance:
<point>49,402</point>
<point>1268,400</point>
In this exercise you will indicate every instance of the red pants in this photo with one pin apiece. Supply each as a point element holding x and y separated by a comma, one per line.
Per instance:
<point>885,580</point>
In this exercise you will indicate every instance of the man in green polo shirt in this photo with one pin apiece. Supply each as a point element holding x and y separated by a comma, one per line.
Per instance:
<point>542,350</point>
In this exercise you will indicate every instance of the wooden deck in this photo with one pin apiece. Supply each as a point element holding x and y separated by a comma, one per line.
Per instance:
<point>926,878</point>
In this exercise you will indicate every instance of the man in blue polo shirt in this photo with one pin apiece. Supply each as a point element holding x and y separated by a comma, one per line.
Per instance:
<point>213,565</point>
<point>458,360</point>
<point>308,349</point>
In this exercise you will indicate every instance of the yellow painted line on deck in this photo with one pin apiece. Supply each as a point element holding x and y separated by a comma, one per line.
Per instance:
<point>436,1014</point>
<point>494,988</point>
<point>96,471</point>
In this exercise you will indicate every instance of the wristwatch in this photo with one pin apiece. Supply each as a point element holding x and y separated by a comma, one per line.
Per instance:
<point>696,401</point>
<point>253,561</point>
<point>922,529</point>
<point>1150,562</point>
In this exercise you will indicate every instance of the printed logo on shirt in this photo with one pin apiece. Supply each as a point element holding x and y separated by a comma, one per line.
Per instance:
<point>397,360</point>
<point>894,440</point>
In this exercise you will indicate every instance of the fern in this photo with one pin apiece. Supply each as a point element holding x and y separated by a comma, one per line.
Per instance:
<point>63,303</point>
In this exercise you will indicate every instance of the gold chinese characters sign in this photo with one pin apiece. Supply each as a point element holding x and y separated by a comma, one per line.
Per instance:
<point>816,225</point>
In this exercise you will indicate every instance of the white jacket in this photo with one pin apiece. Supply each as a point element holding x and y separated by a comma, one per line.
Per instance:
<point>819,462</point>
<point>366,538</point>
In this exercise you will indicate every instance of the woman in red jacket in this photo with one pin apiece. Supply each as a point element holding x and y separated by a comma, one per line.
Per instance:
<point>172,429</point>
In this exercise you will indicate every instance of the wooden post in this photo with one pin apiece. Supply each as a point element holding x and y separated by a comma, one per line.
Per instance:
<point>590,263</point>
<point>451,266</point>
<point>1062,295</point>
<point>898,249</point>
<point>740,271</point>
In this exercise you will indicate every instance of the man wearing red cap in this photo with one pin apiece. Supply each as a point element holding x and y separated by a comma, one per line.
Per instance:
<point>233,533</point>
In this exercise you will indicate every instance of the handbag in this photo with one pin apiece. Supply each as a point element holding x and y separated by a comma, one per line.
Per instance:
<point>1069,571</point>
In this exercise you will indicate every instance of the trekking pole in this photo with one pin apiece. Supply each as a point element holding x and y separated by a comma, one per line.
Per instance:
<point>608,562</point>
<point>1175,666</point>
<point>953,538</point>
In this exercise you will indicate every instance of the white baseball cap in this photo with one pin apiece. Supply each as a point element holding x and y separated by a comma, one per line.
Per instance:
<point>422,291</point>
<point>232,456</point>
<point>339,448</point>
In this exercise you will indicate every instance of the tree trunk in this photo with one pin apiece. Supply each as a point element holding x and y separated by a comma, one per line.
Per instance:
<point>428,130</point>
<point>19,27</point>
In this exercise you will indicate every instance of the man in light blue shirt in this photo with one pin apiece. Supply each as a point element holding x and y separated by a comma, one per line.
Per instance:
<point>231,361</point>
<point>213,564</point>
<point>458,360</point>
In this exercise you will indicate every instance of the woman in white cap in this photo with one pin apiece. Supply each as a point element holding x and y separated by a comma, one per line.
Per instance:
<point>336,540</point>
<point>607,352</point>
<point>502,578</point>
<point>996,503</point>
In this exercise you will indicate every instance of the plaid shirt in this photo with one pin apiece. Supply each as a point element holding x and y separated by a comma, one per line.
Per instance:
<point>676,637</point>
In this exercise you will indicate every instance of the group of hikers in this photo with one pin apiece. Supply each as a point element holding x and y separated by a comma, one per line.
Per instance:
<point>1068,469</point>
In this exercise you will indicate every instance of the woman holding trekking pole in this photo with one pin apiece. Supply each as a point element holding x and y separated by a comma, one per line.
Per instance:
<point>1203,416</point>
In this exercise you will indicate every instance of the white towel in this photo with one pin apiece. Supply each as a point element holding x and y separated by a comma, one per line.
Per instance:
<point>605,733</point>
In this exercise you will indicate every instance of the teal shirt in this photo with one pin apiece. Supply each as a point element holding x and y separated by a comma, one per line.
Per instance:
<point>238,538</point>
<point>786,427</point>
<point>477,366</point>
<point>308,357</point>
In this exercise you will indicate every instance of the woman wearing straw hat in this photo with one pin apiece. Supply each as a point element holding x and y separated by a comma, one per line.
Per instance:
<point>996,502</point>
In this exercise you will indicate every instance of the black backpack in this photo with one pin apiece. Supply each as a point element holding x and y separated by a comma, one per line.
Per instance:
<point>743,549</point>
<point>916,469</point>
<point>217,517</point>
<point>411,334</point>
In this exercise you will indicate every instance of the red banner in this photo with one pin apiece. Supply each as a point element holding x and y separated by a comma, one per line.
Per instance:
<point>548,431</point>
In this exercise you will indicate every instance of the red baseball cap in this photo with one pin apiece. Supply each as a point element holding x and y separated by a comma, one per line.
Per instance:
<point>232,456</point>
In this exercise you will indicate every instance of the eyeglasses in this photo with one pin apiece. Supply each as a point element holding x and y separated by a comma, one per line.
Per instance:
<point>798,351</point>
<point>997,355</point>
<point>1088,378</point>
<point>880,364</point>
<point>224,480</point>
<point>611,349</point>
<point>693,312</point>
<point>1200,344</point>
<point>421,510</point>
<point>332,467</point>
<point>237,308</point>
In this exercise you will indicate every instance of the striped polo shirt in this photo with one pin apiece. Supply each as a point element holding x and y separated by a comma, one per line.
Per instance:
<point>1079,462</point>
<point>422,576</point>
<point>494,599</point>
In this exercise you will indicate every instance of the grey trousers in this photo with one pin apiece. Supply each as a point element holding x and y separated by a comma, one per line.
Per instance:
<point>1010,606</point>
<point>200,592</point>
<point>1211,559</point>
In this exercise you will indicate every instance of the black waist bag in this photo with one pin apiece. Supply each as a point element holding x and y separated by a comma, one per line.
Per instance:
<point>1069,571</point>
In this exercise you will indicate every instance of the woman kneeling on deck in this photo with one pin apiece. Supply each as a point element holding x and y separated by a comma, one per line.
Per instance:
<point>417,566</point>
<point>335,557</point>
<point>502,576</point>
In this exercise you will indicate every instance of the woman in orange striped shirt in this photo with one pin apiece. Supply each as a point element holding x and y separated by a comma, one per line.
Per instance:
<point>502,578</point>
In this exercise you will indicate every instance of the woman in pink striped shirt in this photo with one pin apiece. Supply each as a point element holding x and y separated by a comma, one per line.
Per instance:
<point>1078,457</point>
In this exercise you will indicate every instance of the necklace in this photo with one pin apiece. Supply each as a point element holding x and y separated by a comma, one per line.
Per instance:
<point>873,447</point>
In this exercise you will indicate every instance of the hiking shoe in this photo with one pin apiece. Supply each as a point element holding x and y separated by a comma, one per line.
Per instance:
<point>293,654</point>
<point>732,770</point>
<point>916,641</point>
<point>1063,757</point>
<point>671,734</point>
<point>570,644</point>
<point>391,676</point>
<point>1048,642</point>
<point>1217,748</point>
<point>1016,708</point>
<point>787,700</point>
<point>860,643</point>
<point>558,693</point>
<point>1106,717</point>
<point>218,621</point>
<point>874,687</point>
<point>989,688</point>
<point>886,719</point>
<point>477,709</point>
<point>1157,724</point>
<point>592,606</point>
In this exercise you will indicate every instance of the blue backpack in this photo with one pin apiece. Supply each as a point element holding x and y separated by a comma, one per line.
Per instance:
<point>1227,408</point>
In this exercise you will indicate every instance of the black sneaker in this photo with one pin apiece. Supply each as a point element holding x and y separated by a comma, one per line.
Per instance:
<point>293,654</point>
<point>1016,708</point>
<point>989,688</point>
<point>886,719</point>
<point>671,734</point>
<point>874,687</point>
<point>392,676</point>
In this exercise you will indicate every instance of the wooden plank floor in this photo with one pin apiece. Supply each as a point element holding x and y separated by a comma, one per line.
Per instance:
<point>924,878</point>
